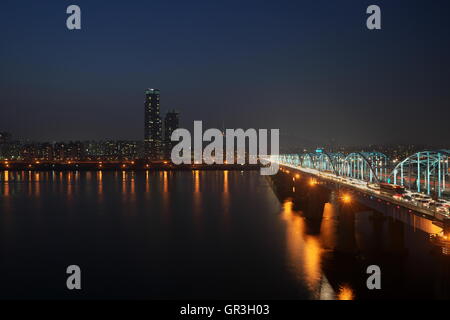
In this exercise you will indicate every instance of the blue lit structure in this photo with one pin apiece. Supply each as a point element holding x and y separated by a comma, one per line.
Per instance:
<point>425,171</point>
<point>366,166</point>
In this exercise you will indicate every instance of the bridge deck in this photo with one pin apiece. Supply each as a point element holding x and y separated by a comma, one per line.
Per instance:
<point>362,188</point>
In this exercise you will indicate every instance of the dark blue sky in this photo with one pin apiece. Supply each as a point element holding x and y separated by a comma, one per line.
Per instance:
<point>310,68</point>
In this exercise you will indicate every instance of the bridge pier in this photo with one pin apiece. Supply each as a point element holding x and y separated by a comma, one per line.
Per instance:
<point>377,220</point>
<point>396,234</point>
<point>346,242</point>
<point>313,213</point>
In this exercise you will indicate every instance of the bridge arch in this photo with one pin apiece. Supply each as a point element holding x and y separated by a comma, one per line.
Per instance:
<point>424,171</point>
<point>328,162</point>
<point>309,160</point>
<point>366,166</point>
<point>293,159</point>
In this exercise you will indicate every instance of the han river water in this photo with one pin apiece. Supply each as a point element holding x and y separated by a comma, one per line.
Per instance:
<point>205,235</point>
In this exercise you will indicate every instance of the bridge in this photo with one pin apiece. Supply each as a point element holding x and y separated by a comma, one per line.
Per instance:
<point>425,173</point>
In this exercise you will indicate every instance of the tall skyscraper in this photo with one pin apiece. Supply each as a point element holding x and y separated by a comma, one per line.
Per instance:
<point>171,123</point>
<point>152,125</point>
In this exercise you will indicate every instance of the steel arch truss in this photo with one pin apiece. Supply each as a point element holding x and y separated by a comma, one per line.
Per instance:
<point>425,171</point>
<point>309,160</point>
<point>365,166</point>
<point>329,162</point>
<point>291,159</point>
<point>368,166</point>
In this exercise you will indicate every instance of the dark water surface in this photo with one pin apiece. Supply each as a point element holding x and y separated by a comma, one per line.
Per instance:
<point>203,234</point>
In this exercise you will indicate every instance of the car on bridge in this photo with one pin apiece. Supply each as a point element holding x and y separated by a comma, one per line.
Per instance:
<point>421,196</point>
<point>442,209</point>
<point>398,196</point>
<point>443,202</point>
<point>408,198</point>
<point>423,202</point>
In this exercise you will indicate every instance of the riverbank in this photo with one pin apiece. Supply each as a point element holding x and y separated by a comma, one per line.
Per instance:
<point>137,165</point>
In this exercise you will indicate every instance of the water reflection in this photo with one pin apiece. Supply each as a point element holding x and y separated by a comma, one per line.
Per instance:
<point>147,182</point>
<point>197,194</point>
<point>345,293</point>
<point>6,184</point>
<point>132,188</point>
<point>225,182</point>
<point>197,201</point>
<point>165,183</point>
<point>303,242</point>
<point>328,227</point>
<point>226,198</point>
<point>124,185</point>
<point>69,186</point>
<point>37,185</point>
<point>196,174</point>
<point>165,195</point>
<point>333,240</point>
<point>304,253</point>
<point>100,185</point>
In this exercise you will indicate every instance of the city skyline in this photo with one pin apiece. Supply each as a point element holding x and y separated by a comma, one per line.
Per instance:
<point>311,69</point>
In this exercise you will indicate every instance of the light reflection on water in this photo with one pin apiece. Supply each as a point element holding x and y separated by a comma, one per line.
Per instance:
<point>305,251</point>
<point>341,240</point>
<point>232,234</point>
<point>345,293</point>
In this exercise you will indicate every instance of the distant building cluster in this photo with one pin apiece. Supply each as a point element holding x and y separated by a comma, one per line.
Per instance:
<point>155,146</point>
<point>73,150</point>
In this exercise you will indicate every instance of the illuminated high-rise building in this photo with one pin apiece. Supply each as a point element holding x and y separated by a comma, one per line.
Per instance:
<point>152,125</point>
<point>171,123</point>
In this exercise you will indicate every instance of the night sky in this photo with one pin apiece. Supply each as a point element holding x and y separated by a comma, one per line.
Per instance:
<point>310,68</point>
